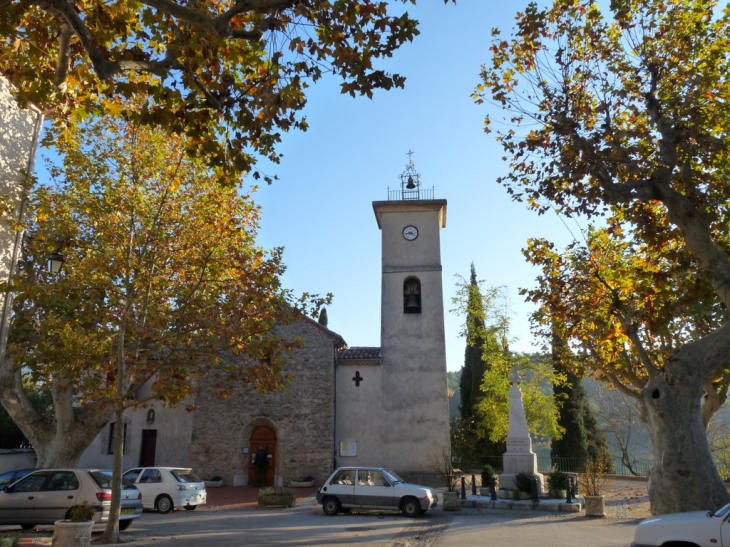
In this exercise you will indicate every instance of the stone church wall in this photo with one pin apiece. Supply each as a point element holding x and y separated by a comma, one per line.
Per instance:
<point>302,416</point>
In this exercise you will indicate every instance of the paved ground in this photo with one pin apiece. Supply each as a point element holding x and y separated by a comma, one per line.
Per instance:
<point>232,518</point>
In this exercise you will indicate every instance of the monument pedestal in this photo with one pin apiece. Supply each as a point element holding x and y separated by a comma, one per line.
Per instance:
<point>519,457</point>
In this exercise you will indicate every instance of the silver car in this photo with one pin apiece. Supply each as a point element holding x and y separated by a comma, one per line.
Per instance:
<point>373,488</point>
<point>47,495</point>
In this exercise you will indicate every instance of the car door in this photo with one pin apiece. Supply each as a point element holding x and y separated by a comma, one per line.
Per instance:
<point>56,497</point>
<point>150,484</point>
<point>342,486</point>
<point>373,489</point>
<point>17,502</point>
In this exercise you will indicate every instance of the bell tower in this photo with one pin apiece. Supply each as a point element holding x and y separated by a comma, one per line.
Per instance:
<point>413,372</point>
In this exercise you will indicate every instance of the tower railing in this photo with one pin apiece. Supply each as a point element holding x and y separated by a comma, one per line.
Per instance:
<point>410,195</point>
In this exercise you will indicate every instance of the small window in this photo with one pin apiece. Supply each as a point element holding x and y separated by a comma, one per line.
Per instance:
<point>412,295</point>
<point>110,447</point>
<point>63,480</point>
<point>151,475</point>
<point>346,477</point>
<point>31,483</point>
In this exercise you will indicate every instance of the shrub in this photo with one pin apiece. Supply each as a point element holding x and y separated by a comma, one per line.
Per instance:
<point>9,540</point>
<point>557,480</point>
<point>487,474</point>
<point>523,481</point>
<point>81,513</point>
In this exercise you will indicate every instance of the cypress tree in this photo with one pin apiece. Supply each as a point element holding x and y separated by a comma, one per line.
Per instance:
<point>323,317</point>
<point>583,439</point>
<point>474,444</point>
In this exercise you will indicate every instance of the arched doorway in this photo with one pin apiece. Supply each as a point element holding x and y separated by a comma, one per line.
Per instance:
<point>262,436</point>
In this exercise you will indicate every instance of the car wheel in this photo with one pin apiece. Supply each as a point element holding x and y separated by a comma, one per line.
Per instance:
<point>190,507</point>
<point>411,507</point>
<point>27,526</point>
<point>124,524</point>
<point>331,506</point>
<point>164,504</point>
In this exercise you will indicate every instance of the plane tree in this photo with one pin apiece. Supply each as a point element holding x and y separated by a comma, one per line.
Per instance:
<point>230,75</point>
<point>626,116</point>
<point>163,283</point>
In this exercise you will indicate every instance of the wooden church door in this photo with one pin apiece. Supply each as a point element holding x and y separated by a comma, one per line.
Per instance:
<point>262,436</point>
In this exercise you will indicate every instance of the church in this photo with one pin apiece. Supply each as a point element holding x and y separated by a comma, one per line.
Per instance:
<point>345,406</point>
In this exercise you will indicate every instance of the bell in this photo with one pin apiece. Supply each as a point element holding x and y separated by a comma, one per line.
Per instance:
<point>412,304</point>
<point>411,185</point>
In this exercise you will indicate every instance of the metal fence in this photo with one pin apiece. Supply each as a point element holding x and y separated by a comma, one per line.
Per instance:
<point>417,194</point>
<point>637,468</point>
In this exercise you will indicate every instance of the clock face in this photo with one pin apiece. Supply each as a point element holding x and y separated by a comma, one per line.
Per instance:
<point>410,233</point>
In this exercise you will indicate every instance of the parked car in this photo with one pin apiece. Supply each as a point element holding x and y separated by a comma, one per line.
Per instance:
<point>9,477</point>
<point>164,488</point>
<point>373,488</point>
<point>46,495</point>
<point>692,529</point>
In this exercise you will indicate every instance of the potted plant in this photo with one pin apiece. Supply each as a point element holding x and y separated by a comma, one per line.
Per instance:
<point>75,531</point>
<point>444,467</point>
<point>487,476</point>
<point>592,483</point>
<point>307,481</point>
<point>9,540</point>
<point>277,497</point>
<point>557,483</point>
<point>213,482</point>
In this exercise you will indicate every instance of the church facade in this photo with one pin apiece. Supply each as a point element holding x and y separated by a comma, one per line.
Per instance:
<point>364,406</point>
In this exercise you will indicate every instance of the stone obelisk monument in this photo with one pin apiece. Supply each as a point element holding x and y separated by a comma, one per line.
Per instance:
<point>519,457</point>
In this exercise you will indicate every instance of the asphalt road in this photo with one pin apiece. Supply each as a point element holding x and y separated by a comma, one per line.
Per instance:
<point>306,526</point>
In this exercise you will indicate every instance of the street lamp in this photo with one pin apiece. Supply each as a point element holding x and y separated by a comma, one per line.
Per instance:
<point>55,263</point>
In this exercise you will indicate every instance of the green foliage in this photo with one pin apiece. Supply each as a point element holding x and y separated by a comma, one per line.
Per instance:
<point>557,480</point>
<point>82,513</point>
<point>487,474</point>
<point>323,320</point>
<point>486,329</point>
<point>583,439</point>
<point>453,379</point>
<point>9,540</point>
<point>523,481</point>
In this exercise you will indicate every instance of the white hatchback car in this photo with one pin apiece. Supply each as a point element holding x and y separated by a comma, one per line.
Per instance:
<point>373,488</point>
<point>692,529</point>
<point>164,488</point>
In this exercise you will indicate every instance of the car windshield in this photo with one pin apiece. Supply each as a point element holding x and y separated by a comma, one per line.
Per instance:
<point>392,476</point>
<point>722,511</point>
<point>184,475</point>
<point>103,479</point>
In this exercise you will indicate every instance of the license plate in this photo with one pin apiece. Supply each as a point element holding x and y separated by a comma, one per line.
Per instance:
<point>127,511</point>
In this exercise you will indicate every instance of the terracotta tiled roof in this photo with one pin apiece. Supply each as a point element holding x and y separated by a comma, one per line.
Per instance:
<point>359,354</point>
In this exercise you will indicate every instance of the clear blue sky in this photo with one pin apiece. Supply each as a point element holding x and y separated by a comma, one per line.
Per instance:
<point>321,208</point>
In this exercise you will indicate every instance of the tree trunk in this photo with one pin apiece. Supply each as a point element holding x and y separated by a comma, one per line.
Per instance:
<point>684,477</point>
<point>60,442</point>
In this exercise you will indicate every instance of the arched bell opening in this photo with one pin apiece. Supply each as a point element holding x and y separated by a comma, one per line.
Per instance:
<point>412,295</point>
